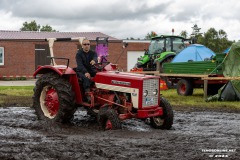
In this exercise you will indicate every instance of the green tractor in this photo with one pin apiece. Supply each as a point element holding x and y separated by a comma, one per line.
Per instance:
<point>162,49</point>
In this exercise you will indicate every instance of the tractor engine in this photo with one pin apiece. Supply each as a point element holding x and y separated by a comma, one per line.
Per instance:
<point>131,91</point>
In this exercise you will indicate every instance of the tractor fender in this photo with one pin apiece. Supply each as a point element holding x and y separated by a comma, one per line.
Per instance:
<point>167,55</point>
<point>143,59</point>
<point>59,69</point>
<point>62,71</point>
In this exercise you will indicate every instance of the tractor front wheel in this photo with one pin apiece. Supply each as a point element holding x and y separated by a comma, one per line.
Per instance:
<point>53,98</point>
<point>166,120</point>
<point>108,118</point>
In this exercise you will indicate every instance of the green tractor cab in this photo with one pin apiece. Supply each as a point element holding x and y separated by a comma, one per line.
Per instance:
<point>162,49</point>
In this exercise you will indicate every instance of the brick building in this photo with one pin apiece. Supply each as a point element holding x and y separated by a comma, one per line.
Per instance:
<point>22,51</point>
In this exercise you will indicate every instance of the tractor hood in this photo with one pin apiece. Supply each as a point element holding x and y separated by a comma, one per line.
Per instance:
<point>124,79</point>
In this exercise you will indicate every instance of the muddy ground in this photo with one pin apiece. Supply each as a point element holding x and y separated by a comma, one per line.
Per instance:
<point>194,135</point>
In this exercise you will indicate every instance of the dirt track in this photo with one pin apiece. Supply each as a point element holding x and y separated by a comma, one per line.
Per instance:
<point>195,135</point>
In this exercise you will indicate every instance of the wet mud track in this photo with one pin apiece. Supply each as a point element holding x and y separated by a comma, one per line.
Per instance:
<point>195,135</point>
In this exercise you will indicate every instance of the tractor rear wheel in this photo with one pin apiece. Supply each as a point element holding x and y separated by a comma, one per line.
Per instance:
<point>53,98</point>
<point>108,118</point>
<point>184,87</point>
<point>166,120</point>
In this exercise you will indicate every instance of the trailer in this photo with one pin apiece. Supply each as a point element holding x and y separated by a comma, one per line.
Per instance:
<point>185,76</point>
<point>185,83</point>
<point>189,75</point>
<point>210,74</point>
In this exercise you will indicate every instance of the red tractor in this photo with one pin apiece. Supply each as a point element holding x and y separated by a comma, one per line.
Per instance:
<point>115,96</point>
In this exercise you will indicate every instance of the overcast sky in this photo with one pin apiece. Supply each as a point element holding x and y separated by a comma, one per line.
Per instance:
<point>124,18</point>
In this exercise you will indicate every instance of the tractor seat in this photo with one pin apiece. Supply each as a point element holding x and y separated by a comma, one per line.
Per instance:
<point>79,79</point>
<point>75,69</point>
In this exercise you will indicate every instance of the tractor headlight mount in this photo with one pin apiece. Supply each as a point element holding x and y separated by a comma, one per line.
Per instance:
<point>155,92</point>
<point>145,93</point>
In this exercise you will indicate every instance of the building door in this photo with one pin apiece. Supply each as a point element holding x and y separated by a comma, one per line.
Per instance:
<point>132,57</point>
<point>42,53</point>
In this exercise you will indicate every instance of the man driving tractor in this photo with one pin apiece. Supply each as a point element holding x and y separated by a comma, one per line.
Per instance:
<point>85,59</point>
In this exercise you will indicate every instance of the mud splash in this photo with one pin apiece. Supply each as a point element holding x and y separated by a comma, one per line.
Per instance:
<point>195,135</point>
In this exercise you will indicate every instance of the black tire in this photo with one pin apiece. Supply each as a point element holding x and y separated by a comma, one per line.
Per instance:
<point>166,120</point>
<point>62,98</point>
<point>184,87</point>
<point>91,112</point>
<point>107,115</point>
<point>138,65</point>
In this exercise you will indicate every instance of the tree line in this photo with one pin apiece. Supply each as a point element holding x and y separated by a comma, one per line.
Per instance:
<point>216,40</point>
<point>33,26</point>
<point>213,39</point>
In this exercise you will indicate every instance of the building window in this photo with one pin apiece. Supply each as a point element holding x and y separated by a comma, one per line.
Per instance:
<point>1,56</point>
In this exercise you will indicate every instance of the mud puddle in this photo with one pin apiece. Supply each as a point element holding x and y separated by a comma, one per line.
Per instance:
<point>195,135</point>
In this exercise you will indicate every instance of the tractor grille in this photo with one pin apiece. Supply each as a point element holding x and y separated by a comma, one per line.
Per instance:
<point>150,85</point>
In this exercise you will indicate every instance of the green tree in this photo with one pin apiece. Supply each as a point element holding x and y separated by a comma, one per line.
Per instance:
<point>47,28</point>
<point>184,34</point>
<point>216,40</point>
<point>150,35</point>
<point>213,39</point>
<point>224,43</point>
<point>33,26</point>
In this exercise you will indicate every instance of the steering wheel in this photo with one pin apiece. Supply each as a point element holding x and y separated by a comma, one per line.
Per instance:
<point>100,66</point>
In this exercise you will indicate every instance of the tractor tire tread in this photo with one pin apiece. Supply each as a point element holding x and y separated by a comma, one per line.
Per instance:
<point>106,113</point>
<point>65,95</point>
<point>167,115</point>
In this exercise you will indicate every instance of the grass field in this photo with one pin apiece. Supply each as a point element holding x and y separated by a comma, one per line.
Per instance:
<point>22,96</point>
<point>197,101</point>
<point>16,96</point>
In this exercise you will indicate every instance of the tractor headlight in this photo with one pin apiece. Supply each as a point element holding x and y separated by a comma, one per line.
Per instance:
<point>155,92</point>
<point>145,93</point>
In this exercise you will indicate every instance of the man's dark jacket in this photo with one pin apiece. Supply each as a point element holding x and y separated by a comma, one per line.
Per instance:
<point>83,62</point>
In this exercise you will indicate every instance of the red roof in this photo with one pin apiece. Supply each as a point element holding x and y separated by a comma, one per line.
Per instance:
<point>33,35</point>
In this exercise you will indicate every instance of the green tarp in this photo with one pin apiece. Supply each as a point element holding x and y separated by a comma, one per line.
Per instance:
<point>231,68</point>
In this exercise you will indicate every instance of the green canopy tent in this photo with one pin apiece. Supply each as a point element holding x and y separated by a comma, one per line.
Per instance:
<point>231,68</point>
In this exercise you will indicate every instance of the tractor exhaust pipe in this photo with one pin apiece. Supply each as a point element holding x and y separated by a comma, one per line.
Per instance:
<point>50,43</point>
<point>52,40</point>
